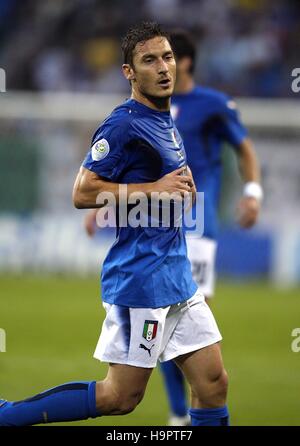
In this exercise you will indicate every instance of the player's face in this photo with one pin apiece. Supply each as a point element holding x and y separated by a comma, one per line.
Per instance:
<point>154,68</point>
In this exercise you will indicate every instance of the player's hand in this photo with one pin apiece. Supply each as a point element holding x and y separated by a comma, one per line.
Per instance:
<point>248,211</point>
<point>90,223</point>
<point>179,181</point>
<point>193,186</point>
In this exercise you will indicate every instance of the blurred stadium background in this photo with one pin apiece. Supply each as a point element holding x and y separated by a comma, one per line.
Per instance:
<point>62,64</point>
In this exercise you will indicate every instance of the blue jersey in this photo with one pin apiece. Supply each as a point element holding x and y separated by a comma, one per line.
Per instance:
<point>146,267</point>
<point>205,119</point>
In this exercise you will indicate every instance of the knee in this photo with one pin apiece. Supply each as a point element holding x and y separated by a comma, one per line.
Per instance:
<point>127,402</point>
<point>219,384</point>
<point>112,401</point>
<point>213,390</point>
<point>222,383</point>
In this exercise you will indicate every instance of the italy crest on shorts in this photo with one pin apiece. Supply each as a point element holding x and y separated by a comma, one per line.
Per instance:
<point>150,329</point>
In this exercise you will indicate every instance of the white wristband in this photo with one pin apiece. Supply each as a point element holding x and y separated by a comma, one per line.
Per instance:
<point>254,190</point>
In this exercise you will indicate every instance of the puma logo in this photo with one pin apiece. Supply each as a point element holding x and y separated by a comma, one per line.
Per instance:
<point>148,349</point>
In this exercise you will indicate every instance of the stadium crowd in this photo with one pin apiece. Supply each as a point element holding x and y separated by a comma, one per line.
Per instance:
<point>246,47</point>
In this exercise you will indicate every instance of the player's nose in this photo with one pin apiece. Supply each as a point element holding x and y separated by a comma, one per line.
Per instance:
<point>162,67</point>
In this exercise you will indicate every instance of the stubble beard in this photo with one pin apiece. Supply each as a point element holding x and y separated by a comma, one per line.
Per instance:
<point>160,101</point>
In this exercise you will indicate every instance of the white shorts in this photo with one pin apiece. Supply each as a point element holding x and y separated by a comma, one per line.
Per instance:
<point>202,254</point>
<point>141,336</point>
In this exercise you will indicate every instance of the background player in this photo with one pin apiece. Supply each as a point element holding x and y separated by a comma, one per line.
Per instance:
<point>206,119</point>
<point>152,312</point>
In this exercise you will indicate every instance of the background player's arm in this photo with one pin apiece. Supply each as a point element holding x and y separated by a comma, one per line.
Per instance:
<point>90,224</point>
<point>248,163</point>
<point>88,185</point>
<point>248,207</point>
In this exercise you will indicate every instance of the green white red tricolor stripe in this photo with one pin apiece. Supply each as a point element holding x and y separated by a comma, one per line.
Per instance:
<point>150,329</point>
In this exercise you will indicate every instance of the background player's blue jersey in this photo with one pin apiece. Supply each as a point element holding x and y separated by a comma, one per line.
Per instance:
<point>145,267</point>
<point>206,119</point>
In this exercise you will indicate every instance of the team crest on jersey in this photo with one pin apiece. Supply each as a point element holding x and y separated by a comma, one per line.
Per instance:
<point>149,330</point>
<point>100,150</point>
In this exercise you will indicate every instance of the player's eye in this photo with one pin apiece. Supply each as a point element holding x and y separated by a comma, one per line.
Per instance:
<point>169,56</point>
<point>148,59</point>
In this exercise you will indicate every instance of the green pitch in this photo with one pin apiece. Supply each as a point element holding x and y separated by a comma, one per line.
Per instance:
<point>52,326</point>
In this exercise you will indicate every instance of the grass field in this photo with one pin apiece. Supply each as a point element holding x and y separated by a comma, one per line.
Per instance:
<point>52,325</point>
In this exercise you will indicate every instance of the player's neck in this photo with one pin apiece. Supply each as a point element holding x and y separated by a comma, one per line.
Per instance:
<point>158,104</point>
<point>184,84</point>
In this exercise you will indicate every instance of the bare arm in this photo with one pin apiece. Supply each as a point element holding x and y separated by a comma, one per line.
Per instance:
<point>88,185</point>
<point>248,164</point>
<point>249,207</point>
<point>90,220</point>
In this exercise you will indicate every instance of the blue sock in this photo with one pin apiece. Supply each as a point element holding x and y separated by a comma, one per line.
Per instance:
<point>68,402</point>
<point>174,383</point>
<point>210,417</point>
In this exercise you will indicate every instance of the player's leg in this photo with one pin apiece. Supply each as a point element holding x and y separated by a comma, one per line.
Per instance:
<point>121,342</point>
<point>207,377</point>
<point>175,387</point>
<point>119,393</point>
<point>70,401</point>
<point>201,253</point>
<point>122,390</point>
<point>208,383</point>
<point>67,402</point>
<point>194,344</point>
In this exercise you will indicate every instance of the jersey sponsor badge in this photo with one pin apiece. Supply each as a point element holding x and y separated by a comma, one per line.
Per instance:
<point>100,150</point>
<point>149,330</point>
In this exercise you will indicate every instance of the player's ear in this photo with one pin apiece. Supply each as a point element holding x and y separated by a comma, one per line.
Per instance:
<point>128,72</point>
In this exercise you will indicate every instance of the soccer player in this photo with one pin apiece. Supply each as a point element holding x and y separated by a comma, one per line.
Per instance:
<point>153,308</point>
<point>206,119</point>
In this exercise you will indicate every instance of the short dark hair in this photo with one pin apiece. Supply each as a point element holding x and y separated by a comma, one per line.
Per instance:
<point>183,46</point>
<point>140,33</point>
